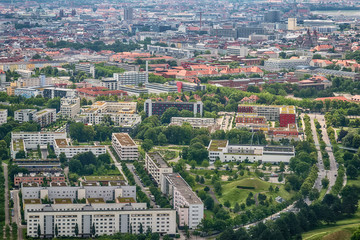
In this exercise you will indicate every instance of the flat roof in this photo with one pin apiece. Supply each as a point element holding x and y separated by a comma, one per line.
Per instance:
<point>32,201</point>
<point>124,139</point>
<point>216,144</point>
<point>181,185</point>
<point>126,200</point>
<point>104,178</point>
<point>158,159</point>
<point>62,200</point>
<point>95,200</point>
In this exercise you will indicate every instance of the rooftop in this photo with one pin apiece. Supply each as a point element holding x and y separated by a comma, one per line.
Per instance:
<point>95,200</point>
<point>180,184</point>
<point>62,201</point>
<point>32,201</point>
<point>126,200</point>
<point>158,159</point>
<point>124,139</point>
<point>103,178</point>
<point>216,144</point>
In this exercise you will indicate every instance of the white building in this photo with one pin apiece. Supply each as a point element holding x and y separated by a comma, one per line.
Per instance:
<point>88,68</point>
<point>194,122</point>
<point>156,166</point>
<point>241,51</point>
<point>43,117</point>
<point>33,139</point>
<point>3,116</point>
<point>69,107</point>
<point>274,64</point>
<point>188,205</point>
<point>24,115</point>
<point>131,78</point>
<point>61,191</point>
<point>125,146</point>
<point>63,145</point>
<point>97,219</point>
<point>223,151</point>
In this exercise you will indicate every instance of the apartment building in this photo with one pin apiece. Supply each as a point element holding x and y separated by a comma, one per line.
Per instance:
<point>69,107</point>
<point>85,67</point>
<point>222,150</point>
<point>30,140</point>
<point>125,146</point>
<point>97,219</point>
<point>38,178</point>
<point>131,78</point>
<point>156,166</point>
<point>279,64</point>
<point>284,114</point>
<point>194,122</point>
<point>49,165</point>
<point>24,115</point>
<point>64,145</point>
<point>3,116</point>
<point>158,108</point>
<point>26,92</point>
<point>188,205</point>
<point>43,118</point>
<point>84,191</point>
<point>120,113</point>
<point>53,92</point>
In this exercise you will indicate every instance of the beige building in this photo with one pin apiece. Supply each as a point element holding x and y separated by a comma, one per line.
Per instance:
<point>63,145</point>
<point>3,116</point>
<point>125,146</point>
<point>70,107</point>
<point>156,166</point>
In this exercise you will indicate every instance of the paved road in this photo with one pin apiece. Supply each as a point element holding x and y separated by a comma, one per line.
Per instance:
<point>17,215</point>
<point>137,181</point>
<point>332,173</point>
<point>5,168</point>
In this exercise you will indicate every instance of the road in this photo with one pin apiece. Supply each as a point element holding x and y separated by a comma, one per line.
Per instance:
<point>5,168</point>
<point>138,182</point>
<point>332,173</point>
<point>17,215</point>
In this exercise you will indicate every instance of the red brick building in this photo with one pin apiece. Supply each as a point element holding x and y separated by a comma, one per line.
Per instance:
<point>286,119</point>
<point>251,119</point>
<point>37,178</point>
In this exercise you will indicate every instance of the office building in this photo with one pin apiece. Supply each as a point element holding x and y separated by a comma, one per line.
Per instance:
<point>69,107</point>
<point>241,51</point>
<point>189,207</point>
<point>158,108</point>
<point>156,166</point>
<point>284,114</point>
<point>272,16</point>
<point>64,146</point>
<point>110,83</point>
<point>131,78</point>
<point>125,146</point>
<point>222,150</point>
<point>188,87</point>
<point>128,14</point>
<point>292,24</point>
<point>274,64</point>
<point>245,32</point>
<point>3,116</point>
<point>38,178</point>
<point>26,92</point>
<point>245,119</point>
<point>97,219</point>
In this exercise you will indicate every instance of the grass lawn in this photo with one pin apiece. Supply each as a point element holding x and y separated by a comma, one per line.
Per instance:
<point>355,182</point>
<point>342,230</point>
<point>233,194</point>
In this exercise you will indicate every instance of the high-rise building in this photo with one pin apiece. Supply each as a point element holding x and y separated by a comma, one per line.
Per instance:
<point>128,14</point>
<point>292,24</point>
<point>272,16</point>
<point>158,108</point>
<point>131,78</point>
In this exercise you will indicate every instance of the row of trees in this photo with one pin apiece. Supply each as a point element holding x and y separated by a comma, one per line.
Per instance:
<point>88,164</point>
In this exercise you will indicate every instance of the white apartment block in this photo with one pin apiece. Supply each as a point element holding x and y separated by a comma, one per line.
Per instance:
<point>69,107</point>
<point>125,146</point>
<point>85,67</point>
<point>3,116</point>
<point>33,139</point>
<point>188,205</point>
<point>194,122</point>
<point>62,191</point>
<point>131,78</point>
<point>222,150</point>
<point>97,219</point>
<point>64,145</point>
<point>156,166</point>
<point>24,115</point>
<point>43,117</point>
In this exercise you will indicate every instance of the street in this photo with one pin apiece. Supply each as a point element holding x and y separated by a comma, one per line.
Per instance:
<point>116,163</point>
<point>17,215</point>
<point>5,168</point>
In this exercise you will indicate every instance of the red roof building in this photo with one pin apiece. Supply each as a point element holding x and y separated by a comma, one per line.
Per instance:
<point>93,92</point>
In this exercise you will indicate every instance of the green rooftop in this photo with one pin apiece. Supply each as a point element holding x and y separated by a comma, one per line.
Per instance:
<point>103,178</point>
<point>216,144</point>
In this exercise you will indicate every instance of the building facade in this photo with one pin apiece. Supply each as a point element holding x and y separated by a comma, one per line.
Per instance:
<point>3,116</point>
<point>38,178</point>
<point>131,78</point>
<point>69,107</point>
<point>158,108</point>
<point>64,146</point>
<point>125,146</point>
<point>156,166</point>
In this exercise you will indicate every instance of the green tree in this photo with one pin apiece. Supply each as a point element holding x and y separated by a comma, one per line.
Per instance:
<point>236,208</point>
<point>352,172</point>
<point>162,140</point>
<point>76,230</point>
<point>168,114</point>
<point>356,235</point>
<point>62,158</point>
<point>147,145</point>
